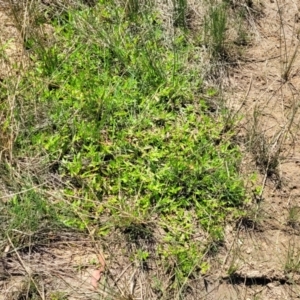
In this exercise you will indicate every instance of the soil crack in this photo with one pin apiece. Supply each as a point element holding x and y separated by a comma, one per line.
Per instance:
<point>256,278</point>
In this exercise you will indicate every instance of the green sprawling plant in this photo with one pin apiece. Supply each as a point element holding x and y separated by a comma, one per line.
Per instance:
<point>117,111</point>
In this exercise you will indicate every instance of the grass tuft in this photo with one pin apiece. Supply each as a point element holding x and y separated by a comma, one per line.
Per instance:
<point>215,30</point>
<point>294,217</point>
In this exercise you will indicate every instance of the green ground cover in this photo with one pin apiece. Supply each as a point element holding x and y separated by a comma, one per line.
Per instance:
<point>115,108</point>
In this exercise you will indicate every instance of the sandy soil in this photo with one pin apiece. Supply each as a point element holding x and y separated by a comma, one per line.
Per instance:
<point>11,46</point>
<point>266,259</point>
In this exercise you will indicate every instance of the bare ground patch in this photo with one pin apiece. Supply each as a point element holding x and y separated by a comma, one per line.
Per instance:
<point>261,260</point>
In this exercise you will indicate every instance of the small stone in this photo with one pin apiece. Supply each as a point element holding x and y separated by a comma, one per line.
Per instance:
<point>248,251</point>
<point>273,284</point>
